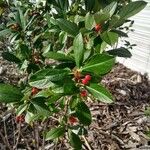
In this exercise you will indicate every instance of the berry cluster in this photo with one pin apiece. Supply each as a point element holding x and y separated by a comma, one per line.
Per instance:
<point>34,91</point>
<point>72,120</point>
<point>20,119</point>
<point>86,80</point>
<point>98,27</point>
<point>83,93</point>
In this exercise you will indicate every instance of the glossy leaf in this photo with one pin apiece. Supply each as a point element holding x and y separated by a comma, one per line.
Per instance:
<point>42,83</point>
<point>30,117</point>
<point>120,52</point>
<point>89,4</point>
<point>40,106</point>
<point>99,64</point>
<point>10,57</point>
<point>110,37</point>
<point>21,109</point>
<point>110,8</point>
<point>75,141</point>
<point>54,98</point>
<point>50,74</point>
<point>100,93</point>
<point>22,19</point>
<point>57,56</point>
<point>78,49</point>
<point>120,33</point>
<point>9,93</point>
<point>25,51</point>
<point>131,9</point>
<point>45,78</point>
<point>55,133</point>
<point>116,21</point>
<point>69,87</point>
<point>83,113</point>
<point>5,32</point>
<point>89,21</point>
<point>68,26</point>
<point>101,17</point>
<point>44,93</point>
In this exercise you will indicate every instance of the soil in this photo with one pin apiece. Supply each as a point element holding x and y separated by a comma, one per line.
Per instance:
<point>118,126</point>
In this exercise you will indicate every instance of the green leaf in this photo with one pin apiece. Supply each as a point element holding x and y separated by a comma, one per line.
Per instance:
<point>89,21</point>
<point>79,130</point>
<point>9,93</point>
<point>148,133</point>
<point>89,4</point>
<point>57,56</point>
<point>78,48</point>
<point>44,93</point>
<point>110,37</point>
<point>116,21</point>
<point>51,74</point>
<point>54,98</point>
<point>21,109</point>
<point>131,9</point>
<point>68,26</point>
<point>75,141</point>
<point>45,78</point>
<point>110,8</point>
<point>42,84</point>
<point>25,51</point>
<point>69,87</point>
<point>147,111</point>
<point>106,13</point>
<point>99,64</point>
<point>83,113</point>
<point>63,4</point>
<point>73,102</point>
<point>62,37</point>
<point>41,107</point>
<point>101,17</point>
<point>21,18</point>
<point>120,52</point>
<point>5,32</point>
<point>10,57</point>
<point>30,117</point>
<point>55,133</point>
<point>50,20</point>
<point>100,93</point>
<point>120,33</point>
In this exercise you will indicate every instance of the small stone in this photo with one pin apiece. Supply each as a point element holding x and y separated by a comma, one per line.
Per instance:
<point>2,70</point>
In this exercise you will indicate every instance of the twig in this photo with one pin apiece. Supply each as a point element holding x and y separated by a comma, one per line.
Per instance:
<point>6,137</point>
<point>4,140</point>
<point>14,136</point>
<point>18,137</point>
<point>43,140</point>
<point>26,141</point>
<point>111,136</point>
<point>86,143</point>
<point>36,135</point>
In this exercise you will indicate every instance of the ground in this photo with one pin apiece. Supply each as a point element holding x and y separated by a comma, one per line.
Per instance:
<point>118,126</point>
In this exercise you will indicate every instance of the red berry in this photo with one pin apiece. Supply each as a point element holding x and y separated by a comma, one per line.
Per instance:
<point>20,119</point>
<point>34,90</point>
<point>85,81</point>
<point>73,120</point>
<point>88,77</point>
<point>83,93</point>
<point>98,27</point>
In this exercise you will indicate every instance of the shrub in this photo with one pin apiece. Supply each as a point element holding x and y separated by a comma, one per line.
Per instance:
<point>64,48</point>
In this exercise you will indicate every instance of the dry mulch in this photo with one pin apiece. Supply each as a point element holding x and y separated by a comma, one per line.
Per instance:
<point>119,126</point>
